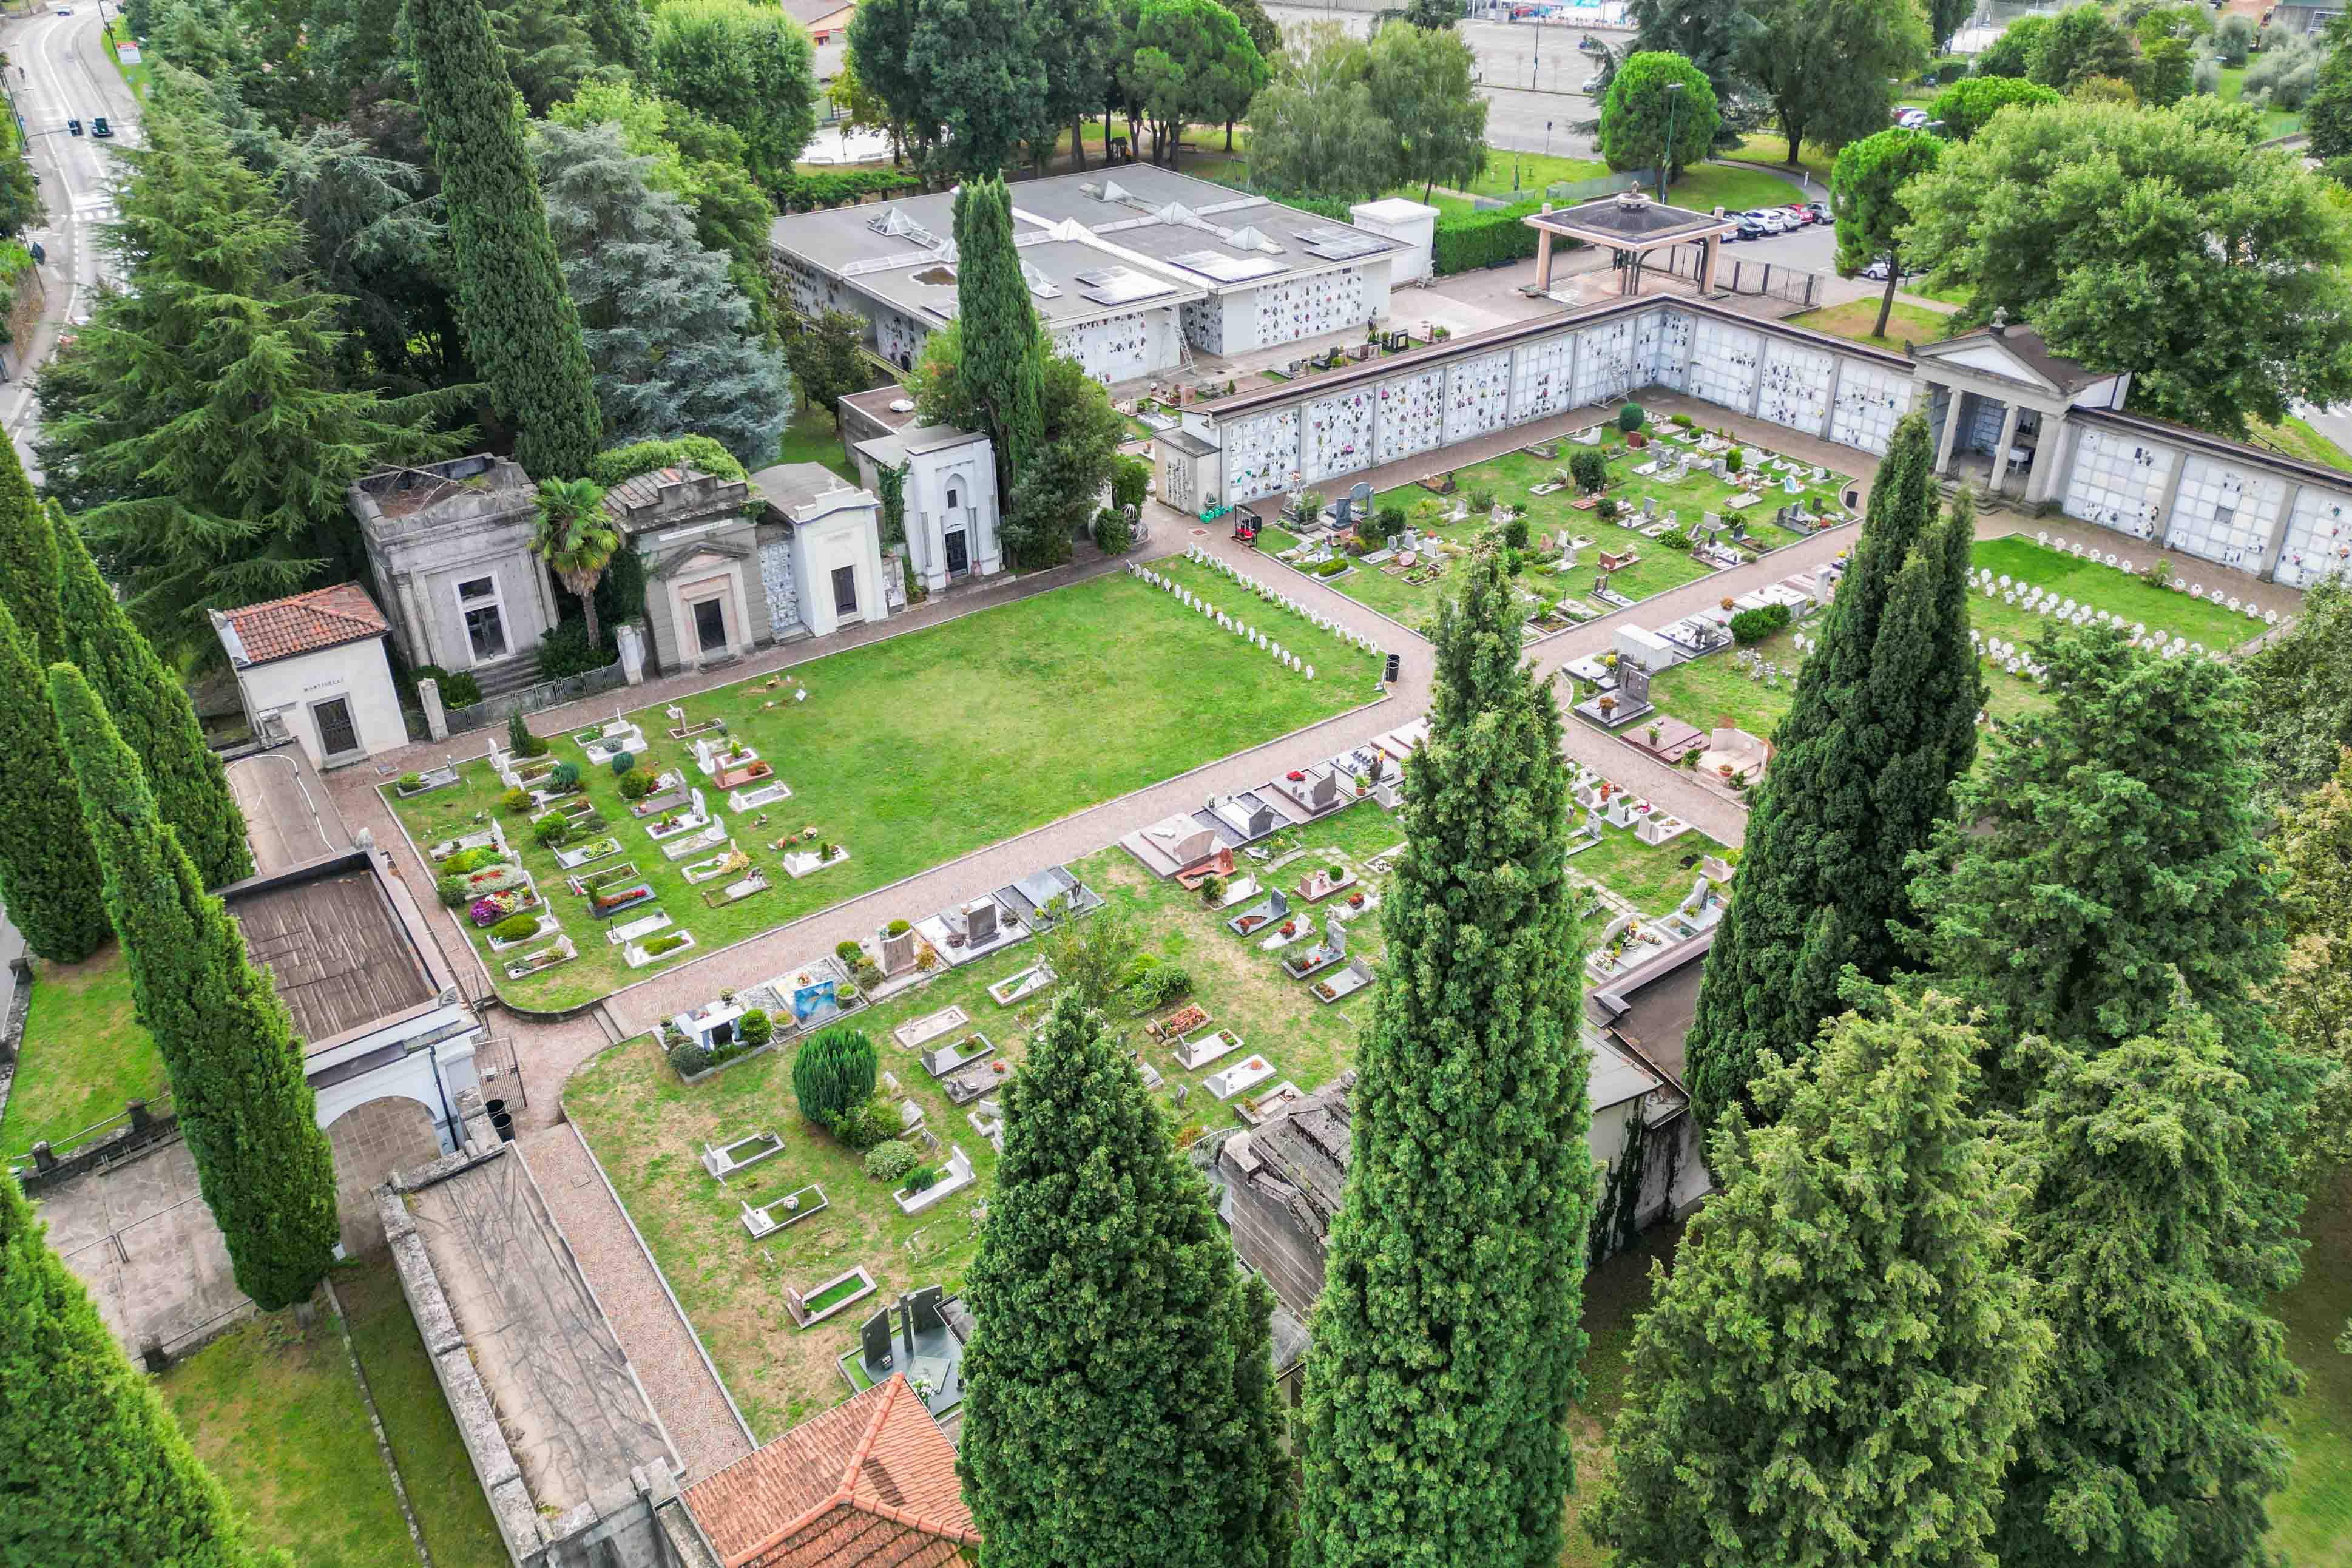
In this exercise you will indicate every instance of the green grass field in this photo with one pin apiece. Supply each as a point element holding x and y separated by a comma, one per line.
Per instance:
<point>1855,319</point>
<point>919,748</point>
<point>83,1054</point>
<point>812,439</point>
<point>2275,122</point>
<point>275,1413</point>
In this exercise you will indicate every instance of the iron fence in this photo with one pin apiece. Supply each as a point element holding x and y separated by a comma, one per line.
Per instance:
<point>1734,275</point>
<point>492,712</point>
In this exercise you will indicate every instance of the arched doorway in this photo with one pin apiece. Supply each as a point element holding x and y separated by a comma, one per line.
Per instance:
<point>370,1140</point>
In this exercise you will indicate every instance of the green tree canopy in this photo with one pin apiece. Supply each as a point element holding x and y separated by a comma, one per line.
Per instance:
<point>1635,131</point>
<point>1713,35</point>
<point>205,421</point>
<point>1965,105</point>
<point>150,708</point>
<point>1867,183</point>
<point>2012,54</point>
<point>832,1074</point>
<point>2081,45</point>
<point>519,321</point>
<point>29,564</point>
<point>1824,65</point>
<point>1884,721</point>
<point>2165,72</point>
<point>828,359</point>
<point>1121,1407</point>
<point>48,873</point>
<point>1194,64</point>
<point>1316,131</point>
<point>2310,1003</point>
<point>620,31</point>
<point>1073,40</point>
<point>575,536</point>
<point>669,337</point>
<point>2299,695</point>
<point>1424,83</point>
<point>2162,1223</point>
<point>749,67</point>
<point>965,79</point>
<point>1446,1341</point>
<point>95,1470</point>
<point>2055,894</point>
<point>238,1085</point>
<point>1838,1364</point>
<point>2123,234</point>
<point>1059,489</point>
<point>1007,361</point>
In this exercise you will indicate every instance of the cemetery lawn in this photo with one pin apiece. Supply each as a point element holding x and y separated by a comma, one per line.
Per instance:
<point>1706,692</point>
<point>1855,317</point>
<point>442,1488</point>
<point>274,1411</point>
<point>1513,478</point>
<point>1616,1294</point>
<point>83,1055</point>
<point>922,747</point>
<point>1653,878</point>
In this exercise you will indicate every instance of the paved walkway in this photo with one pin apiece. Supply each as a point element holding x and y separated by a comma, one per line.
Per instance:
<point>685,1392</point>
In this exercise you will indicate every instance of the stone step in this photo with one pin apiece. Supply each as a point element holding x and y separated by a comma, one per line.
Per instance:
<point>503,680</point>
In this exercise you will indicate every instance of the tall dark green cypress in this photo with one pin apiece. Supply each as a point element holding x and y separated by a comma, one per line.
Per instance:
<point>1003,364</point>
<point>1121,1407</point>
<point>28,560</point>
<point>48,875</point>
<point>1885,720</point>
<point>520,323</point>
<point>1446,1344</point>
<point>227,1042</point>
<point>154,715</point>
<point>93,1470</point>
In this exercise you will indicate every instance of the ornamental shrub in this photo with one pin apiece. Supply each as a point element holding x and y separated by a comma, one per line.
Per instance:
<point>1158,985</point>
<point>922,1178</point>
<point>1754,625</point>
<point>1630,418</point>
<point>551,832</point>
<point>1515,532</point>
<point>520,740</point>
<point>897,928</point>
<point>670,941</point>
<point>1735,460</point>
<point>1605,508</point>
<point>847,950</point>
<point>832,1076</point>
<point>690,1059</point>
<point>1471,240</point>
<point>514,928</point>
<point>1481,499</point>
<point>412,780</point>
<point>1332,567</point>
<point>756,1028</point>
<point>876,1122</point>
<point>566,777</point>
<point>1590,468</point>
<point>637,786</point>
<point>451,891</point>
<point>889,1162</point>
<point>621,763</point>
<point>1389,522</point>
<point>1674,538</point>
<point>515,802</point>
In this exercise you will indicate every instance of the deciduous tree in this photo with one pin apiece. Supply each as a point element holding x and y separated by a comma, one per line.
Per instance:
<point>1423,81</point>
<point>1316,131</point>
<point>1713,36</point>
<point>519,321</point>
<point>2161,1225</point>
<point>2122,235</point>
<point>828,359</point>
<point>95,1470</point>
<point>1884,720</point>
<point>1446,1344</point>
<point>2310,1003</point>
<point>1968,103</point>
<point>1824,65</point>
<point>669,337</point>
<point>749,67</point>
<point>1193,64</point>
<point>2299,698</point>
<point>48,874</point>
<point>2012,54</point>
<point>238,1084</point>
<point>1121,1406</point>
<point>1073,39</point>
<point>152,710</point>
<point>966,79</point>
<point>1635,129</point>
<point>2080,45</point>
<point>1836,1368</point>
<point>1867,182</point>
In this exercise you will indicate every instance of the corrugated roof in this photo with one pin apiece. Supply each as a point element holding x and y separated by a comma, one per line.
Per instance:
<point>302,623</point>
<point>868,1484</point>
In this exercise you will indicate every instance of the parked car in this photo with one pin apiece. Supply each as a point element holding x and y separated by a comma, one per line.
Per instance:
<point>1772,219</point>
<point>73,127</point>
<point>1912,120</point>
<point>1591,45</point>
<point>1876,271</point>
<point>65,10</point>
<point>1820,211</point>
<point>1800,214</point>
<point>1591,85</point>
<point>1751,230</point>
<point>100,128</point>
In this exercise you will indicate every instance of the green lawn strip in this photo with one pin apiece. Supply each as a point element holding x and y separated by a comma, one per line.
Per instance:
<point>137,77</point>
<point>443,1490</point>
<point>2275,122</point>
<point>1711,185</point>
<point>1653,878</point>
<point>1855,317</point>
<point>1537,172</point>
<point>1766,147</point>
<point>2311,1520</point>
<point>2104,587</point>
<point>83,1055</point>
<point>919,748</point>
<point>1616,1293</point>
<point>275,1413</point>
<point>812,437</point>
<point>2298,438</point>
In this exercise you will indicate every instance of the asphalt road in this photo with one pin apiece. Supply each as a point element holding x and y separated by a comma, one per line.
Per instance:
<point>59,71</point>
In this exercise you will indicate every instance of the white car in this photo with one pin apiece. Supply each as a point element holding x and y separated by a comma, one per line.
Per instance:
<point>1913,120</point>
<point>1773,219</point>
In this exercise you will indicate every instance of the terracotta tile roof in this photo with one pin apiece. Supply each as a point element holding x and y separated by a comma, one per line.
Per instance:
<point>869,1484</point>
<point>305,623</point>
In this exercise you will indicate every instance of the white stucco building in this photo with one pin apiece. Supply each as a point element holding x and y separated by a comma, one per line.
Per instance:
<point>1131,269</point>
<point>840,575</point>
<point>952,525</point>
<point>314,664</point>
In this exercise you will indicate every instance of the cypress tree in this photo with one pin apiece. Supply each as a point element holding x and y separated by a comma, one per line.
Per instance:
<point>2106,845</point>
<point>2162,1222</point>
<point>93,1468</point>
<point>1885,720</point>
<point>1837,1368</point>
<point>244,1105</point>
<point>29,562</point>
<point>1004,349</point>
<point>1121,1407</point>
<point>1446,1341</point>
<point>48,875</point>
<point>152,711</point>
<point>520,324</point>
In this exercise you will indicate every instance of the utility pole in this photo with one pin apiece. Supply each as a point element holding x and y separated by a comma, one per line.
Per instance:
<point>1666,164</point>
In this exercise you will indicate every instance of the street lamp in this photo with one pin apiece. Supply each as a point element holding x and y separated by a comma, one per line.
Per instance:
<point>1674,97</point>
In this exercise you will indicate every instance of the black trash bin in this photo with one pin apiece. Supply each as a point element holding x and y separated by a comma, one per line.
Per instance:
<point>505,1126</point>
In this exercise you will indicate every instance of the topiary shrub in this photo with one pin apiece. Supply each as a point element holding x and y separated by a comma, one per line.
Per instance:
<point>756,1028</point>
<point>520,741</point>
<point>1754,625</point>
<point>1735,460</point>
<point>832,1076</point>
<point>514,928</point>
<point>515,802</point>
<point>637,786</point>
<point>621,763</point>
<point>690,1059</point>
<point>846,951</point>
<point>897,928</point>
<point>1332,567</point>
<point>1631,418</point>
<point>889,1162</point>
<point>412,780</point>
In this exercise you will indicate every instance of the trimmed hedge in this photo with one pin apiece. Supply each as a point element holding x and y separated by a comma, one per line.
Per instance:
<point>808,193</point>
<point>1466,242</point>
<point>1754,625</point>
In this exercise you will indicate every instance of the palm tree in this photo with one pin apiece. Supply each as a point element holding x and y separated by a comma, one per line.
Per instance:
<point>577,540</point>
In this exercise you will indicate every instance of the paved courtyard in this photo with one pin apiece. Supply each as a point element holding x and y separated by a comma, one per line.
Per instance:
<point>144,1243</point>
